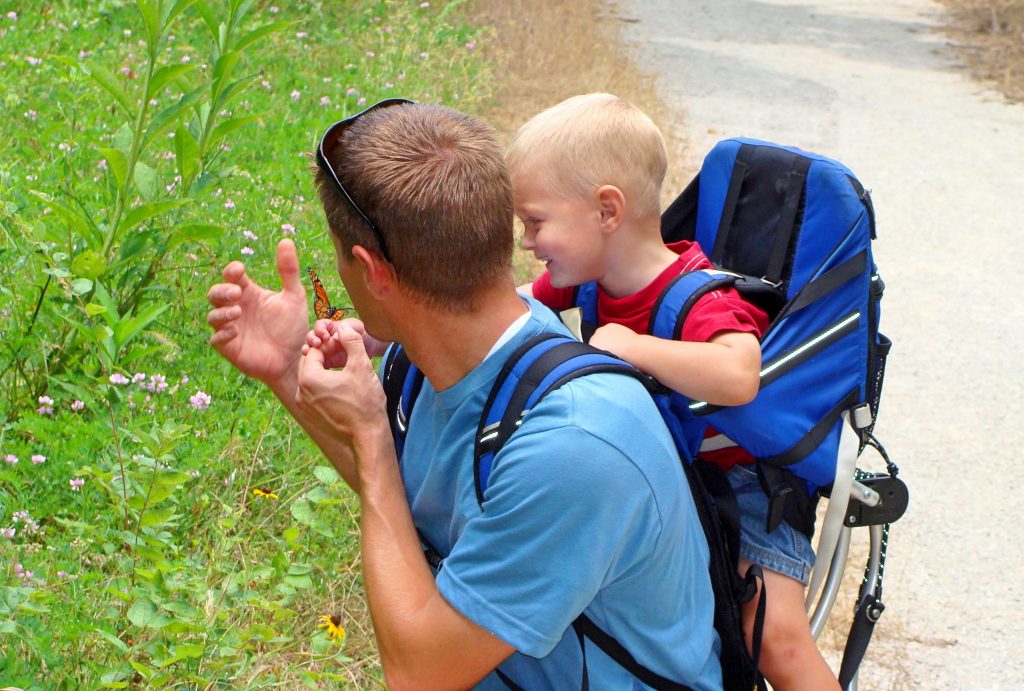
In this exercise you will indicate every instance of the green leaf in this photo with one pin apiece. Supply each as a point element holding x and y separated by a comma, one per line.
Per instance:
<point>102,76</point>
<point>9,627</point>
<point>112,640</point>
<point>156,517</point>
<point>81,286</point>
<point>326,474</point>
<point>228,126</point>
<point>194,232</point>
<point>172,11</point>
<point>146,180</point>
<point>188,651</point>
<point>127,329</point>
<point>299,582</point>
<point>259,33</point>
<point>303,512</point>
<point>166,119</point>
<point>150,12</point>
<point>299,569</point>
<point>117,164</point>
<point>89,264</point>
<point>148,211</point>
<point>92,309</point>
<point>123,139</point>
<point>208,16</point>
<point>165,75</point>
<point>142,612</point>
<point>187,155</point>
<point>172,478</point>
<point>184,610</point>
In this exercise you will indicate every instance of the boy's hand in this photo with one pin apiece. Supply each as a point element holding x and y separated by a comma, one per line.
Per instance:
<point>615,338</point>
<point>260,331</point>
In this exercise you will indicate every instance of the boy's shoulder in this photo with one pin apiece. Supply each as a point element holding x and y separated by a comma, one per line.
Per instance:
<point>691,254</point>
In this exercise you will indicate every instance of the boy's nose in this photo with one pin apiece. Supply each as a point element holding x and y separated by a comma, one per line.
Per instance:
<point>529,239</point>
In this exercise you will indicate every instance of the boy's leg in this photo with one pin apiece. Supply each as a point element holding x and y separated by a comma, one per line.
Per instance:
<point>790,659</point>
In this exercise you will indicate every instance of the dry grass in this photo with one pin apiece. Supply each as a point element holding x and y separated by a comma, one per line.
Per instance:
<point>989,35</point>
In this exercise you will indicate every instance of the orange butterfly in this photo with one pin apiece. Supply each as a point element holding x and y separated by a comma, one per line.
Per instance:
<point>321,304</point>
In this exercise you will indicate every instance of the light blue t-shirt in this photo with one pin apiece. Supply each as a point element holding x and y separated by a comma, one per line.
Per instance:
<point>586,510</point>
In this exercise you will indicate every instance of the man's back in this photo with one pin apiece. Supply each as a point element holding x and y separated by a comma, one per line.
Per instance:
<point>586,508</point>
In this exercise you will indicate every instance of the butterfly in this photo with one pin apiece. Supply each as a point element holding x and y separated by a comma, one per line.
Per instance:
<point>321,304</point>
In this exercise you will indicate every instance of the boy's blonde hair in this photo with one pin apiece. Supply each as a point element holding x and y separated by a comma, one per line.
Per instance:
<point>591,140</point>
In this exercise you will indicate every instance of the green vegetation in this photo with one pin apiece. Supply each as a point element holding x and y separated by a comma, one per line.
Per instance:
<point>161,523</point>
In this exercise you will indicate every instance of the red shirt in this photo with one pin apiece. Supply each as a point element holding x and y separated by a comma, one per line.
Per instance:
<point>714,313</point>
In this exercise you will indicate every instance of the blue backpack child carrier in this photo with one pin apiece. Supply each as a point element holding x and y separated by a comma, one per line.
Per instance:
<point>536,368</point>
<point>791,231</point>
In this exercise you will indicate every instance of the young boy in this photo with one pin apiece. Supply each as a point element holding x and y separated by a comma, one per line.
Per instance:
<point>587,176</point>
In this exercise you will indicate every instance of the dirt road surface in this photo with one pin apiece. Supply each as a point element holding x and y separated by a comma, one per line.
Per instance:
<point>874,84</point>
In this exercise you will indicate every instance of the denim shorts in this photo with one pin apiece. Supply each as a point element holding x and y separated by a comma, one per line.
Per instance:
<point>784,550</point>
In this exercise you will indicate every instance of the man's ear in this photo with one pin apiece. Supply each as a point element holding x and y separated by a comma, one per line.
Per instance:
<point>378,275</point>
<point>612,204</point>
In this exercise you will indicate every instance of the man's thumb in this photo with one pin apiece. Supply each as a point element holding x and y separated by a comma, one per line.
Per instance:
<point>288,268</point>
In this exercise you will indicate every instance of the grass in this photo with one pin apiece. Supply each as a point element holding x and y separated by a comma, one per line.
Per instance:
<point>136,553</point>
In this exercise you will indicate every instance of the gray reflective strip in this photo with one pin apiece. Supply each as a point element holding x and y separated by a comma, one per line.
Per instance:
<point>490,432</point>
<point>809,345</point>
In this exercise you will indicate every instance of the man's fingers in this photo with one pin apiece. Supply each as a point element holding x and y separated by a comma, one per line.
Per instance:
<point>223,294</point>
<point>222,315</point>
<point>222,336</point>
<point>234,272</point>
<point>288,268</point>
<point>352,343</point>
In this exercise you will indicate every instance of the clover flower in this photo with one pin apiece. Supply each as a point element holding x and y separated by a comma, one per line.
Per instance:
<point>38,458</point>
<point>76,483</point>
<point>45,405</point>
<point>200,400</point>
<point>119,379</point>
<point>11,458</point>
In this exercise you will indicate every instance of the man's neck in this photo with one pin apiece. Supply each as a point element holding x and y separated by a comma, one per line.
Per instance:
<point>447,346</point>
<point>636,257</point>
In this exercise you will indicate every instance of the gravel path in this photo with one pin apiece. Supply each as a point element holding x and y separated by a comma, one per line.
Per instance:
<point>875,85</point>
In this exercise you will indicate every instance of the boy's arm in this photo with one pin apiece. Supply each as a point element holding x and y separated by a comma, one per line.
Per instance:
<point>725,370</point>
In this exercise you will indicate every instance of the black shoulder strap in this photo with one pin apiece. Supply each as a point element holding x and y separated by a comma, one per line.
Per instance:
<point>402,383</point>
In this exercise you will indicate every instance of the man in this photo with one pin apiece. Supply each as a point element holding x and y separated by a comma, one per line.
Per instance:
<point>586,511</point>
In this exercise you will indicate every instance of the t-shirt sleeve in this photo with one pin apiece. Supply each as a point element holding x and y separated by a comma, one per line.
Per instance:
<point>555,298</point>
<point>565,512</point>
<point>720,311</point>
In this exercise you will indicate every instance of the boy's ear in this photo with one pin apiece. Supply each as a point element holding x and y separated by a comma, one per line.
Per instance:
<point>378,275</point>
<point>612,204</point>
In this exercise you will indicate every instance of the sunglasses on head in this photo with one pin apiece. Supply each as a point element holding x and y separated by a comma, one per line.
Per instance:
<point>327,142</point>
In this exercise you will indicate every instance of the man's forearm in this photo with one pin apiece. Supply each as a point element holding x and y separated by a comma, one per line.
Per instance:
<point>424,642</point>
<point>335,449</point>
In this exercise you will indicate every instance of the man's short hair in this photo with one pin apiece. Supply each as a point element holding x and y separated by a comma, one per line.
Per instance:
<point>434,182</point>
<point>591,140</point>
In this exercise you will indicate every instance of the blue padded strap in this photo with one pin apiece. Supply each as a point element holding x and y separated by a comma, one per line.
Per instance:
<point>539,366</point>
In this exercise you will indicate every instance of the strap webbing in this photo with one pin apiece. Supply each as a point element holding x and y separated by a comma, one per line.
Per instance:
<point>739,173</point>
<point>827,282</point>
<point>816,435</point>
<point>795,179</point>
<point>613,649</point>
